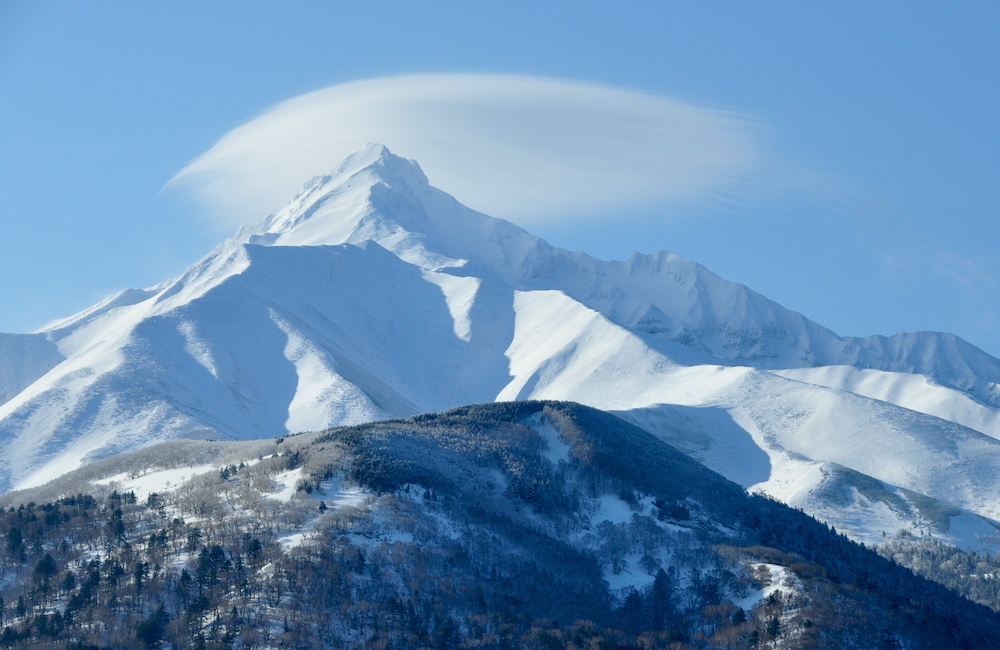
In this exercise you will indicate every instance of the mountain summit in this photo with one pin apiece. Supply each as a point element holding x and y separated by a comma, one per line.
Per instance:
<point>373,295</point>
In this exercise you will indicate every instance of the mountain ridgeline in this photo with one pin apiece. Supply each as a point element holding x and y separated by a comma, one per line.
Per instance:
<point>373,295</point>
<point>502,525</point>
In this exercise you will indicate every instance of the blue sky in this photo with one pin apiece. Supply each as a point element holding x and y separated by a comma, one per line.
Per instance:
<point>876,210</point>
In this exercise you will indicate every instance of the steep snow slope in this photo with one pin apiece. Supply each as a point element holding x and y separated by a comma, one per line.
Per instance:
<point>912,391</point>
<point>379,197</point>
<point>23,359</point>
<point>373,295</point>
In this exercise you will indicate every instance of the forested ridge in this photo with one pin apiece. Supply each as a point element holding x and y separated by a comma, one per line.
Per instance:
<point>974,575</point>
<point>490,526</point>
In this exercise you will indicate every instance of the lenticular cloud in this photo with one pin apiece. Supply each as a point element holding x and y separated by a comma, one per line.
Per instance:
<point>523,148</point>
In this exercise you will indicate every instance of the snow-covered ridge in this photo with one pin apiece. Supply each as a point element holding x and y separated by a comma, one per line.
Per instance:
<point>374,295</point>
<point>376,196</point>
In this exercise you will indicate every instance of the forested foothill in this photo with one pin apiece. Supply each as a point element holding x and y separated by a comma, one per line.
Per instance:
<point>510,525</point>
<point>974,575</point>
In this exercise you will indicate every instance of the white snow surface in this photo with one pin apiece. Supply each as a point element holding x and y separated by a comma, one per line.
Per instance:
<point>160,481</point>
<point>374,295</point>
<point>286,482</point>
<point>917,392</point>
<point>556,449</point>
<point>781,580</point>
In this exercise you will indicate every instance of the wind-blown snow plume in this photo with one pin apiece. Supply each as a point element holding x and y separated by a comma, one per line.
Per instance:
<point>514,146</point>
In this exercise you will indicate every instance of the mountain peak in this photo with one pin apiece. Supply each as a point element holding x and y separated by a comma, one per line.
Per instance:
<point>343,206</point>
<point>371,165</point>
<point>376,161</point>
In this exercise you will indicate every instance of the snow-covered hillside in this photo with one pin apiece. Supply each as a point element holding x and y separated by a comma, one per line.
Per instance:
<point>531,524</point>
<point>374,295</point>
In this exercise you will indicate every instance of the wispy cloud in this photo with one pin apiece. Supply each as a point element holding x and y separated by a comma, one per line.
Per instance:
<point>519,147</point>
<point>962,271</point>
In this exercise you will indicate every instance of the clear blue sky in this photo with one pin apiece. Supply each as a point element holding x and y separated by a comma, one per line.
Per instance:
<point>894,105</point>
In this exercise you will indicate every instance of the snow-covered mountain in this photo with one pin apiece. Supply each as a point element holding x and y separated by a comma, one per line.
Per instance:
<point>374,295</point>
